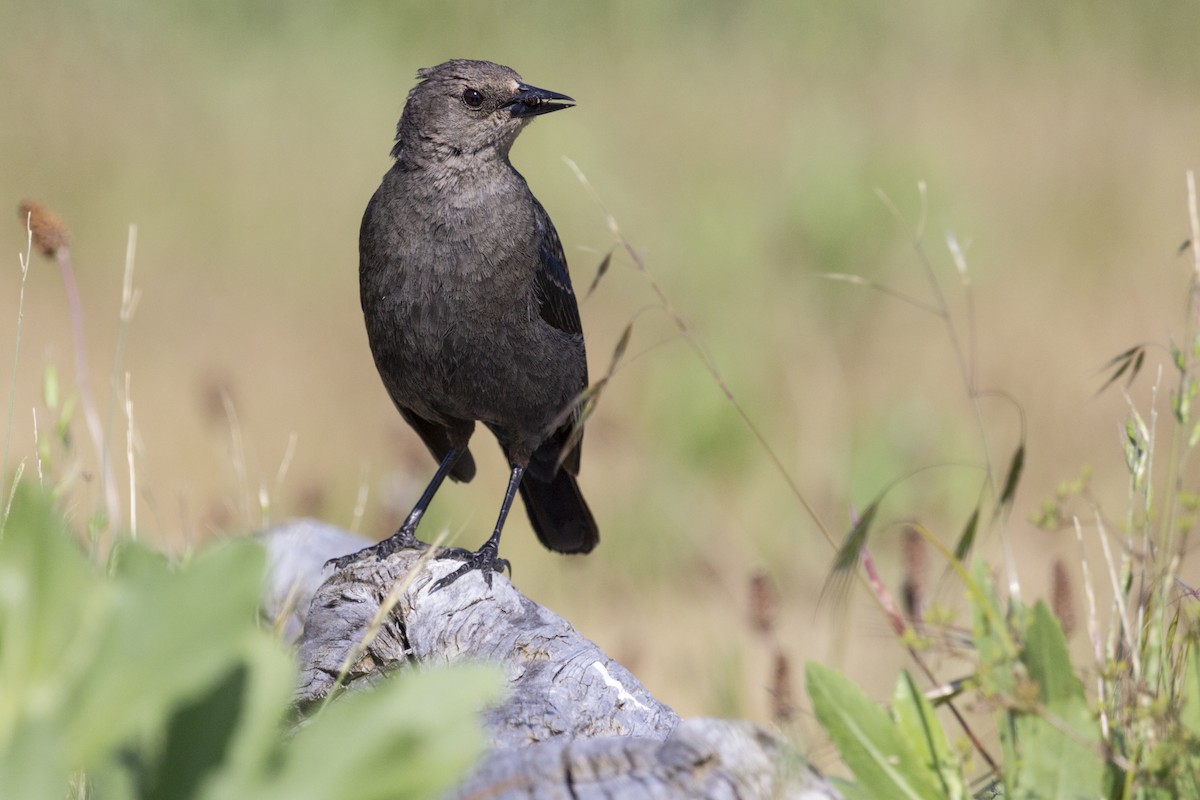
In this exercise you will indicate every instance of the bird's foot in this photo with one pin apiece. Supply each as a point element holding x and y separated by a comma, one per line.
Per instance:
<point>403,539</point>
<point>485,559</point>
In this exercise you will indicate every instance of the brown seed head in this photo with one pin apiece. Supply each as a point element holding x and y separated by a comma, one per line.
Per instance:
<point>50,233</point>
<point>783,705</point>
<point>763,602</point>
<point>1061,596</point>
<point>914,574</point>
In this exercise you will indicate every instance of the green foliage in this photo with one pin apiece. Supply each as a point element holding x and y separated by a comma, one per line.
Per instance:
<point>158,682</point>
<point>916,719</point>
<point>879,749</point>
<point>1050,737</point>
<point>1138,736</point>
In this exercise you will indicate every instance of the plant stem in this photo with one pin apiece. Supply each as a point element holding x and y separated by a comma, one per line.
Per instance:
<point>92,418</point>
<point>12,389</point>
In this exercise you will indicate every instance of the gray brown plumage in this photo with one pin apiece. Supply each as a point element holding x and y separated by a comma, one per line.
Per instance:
<point>468,304</point>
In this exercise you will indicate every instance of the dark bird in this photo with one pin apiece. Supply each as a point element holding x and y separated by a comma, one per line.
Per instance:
<point>469,307</point>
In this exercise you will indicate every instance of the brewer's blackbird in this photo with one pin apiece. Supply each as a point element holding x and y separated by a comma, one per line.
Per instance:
<point>469,308</point>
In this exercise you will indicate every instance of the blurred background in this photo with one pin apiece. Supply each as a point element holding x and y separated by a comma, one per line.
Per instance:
<point>742,148</point>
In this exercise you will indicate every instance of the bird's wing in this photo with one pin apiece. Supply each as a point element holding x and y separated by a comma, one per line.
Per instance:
<point>557,306</point>
<point>437,438</point>
<point>555,297</point>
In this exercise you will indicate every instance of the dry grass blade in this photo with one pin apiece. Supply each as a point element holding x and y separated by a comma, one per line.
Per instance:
<point>619,350</point>
<point>581,408</point>
<point>1126,629</point>
<point>129,301</point>
<point>1194,219</point>
<point>129,458</point>
<point>601,271</point>
<point>582,404</point>
<point>966,541</point>
<point>918,657</point>
<point>686,333</point>
<point>1015,467</point>
<point>373,628</point>
<point>12,492</point>
<point>1094,633</point>
<point>848,555</point>
<point>965,358</point>
<point>1129,361</point>
<point>578,412</point>
<point>12,389</point>
<point>360,498</point>
<point>858,280</point>
<point>53,240</point>
<point>946,692</point>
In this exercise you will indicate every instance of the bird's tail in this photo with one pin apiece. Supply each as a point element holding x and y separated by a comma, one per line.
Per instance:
<point>559,514</point>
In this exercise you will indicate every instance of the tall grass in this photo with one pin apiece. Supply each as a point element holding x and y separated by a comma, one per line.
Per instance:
<point>1135,736</point>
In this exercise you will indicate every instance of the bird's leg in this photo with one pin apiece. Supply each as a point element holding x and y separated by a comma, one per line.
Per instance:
<point>406,536</point>
<point>486,558</point>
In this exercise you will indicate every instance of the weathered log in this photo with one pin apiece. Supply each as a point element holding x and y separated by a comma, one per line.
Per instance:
<point>575,723</point>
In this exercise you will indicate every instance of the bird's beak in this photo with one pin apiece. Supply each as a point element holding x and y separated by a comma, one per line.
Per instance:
<point>531,101</point>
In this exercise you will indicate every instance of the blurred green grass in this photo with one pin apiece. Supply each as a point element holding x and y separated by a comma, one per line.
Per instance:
<point>740,146</point>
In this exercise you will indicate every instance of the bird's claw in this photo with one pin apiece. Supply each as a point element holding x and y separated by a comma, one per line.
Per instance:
<point>485,559</point>
<point>402,539</point>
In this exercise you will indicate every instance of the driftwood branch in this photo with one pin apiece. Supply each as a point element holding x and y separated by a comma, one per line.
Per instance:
<point>575,722</point>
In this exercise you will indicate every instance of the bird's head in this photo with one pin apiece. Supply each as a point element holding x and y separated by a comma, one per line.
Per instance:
<point>469,107</point>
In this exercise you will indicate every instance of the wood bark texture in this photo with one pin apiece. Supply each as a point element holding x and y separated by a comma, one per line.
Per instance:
<point>575,724</point>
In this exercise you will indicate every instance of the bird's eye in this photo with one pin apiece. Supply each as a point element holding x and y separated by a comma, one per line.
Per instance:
<point>472,98</point>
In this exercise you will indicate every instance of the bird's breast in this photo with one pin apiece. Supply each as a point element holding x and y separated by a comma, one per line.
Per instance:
<point>447,286</point>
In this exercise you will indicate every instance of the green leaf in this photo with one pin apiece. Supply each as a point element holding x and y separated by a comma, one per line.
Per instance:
<point>872,745</point>
<point>31,764</point>
<point>1048,660</point>
<point>997,652</point>
<point>411,737</point>
<point>850,790</point>
<point>918,723</point>
<point>157,683</point>
<point>195,743</point>
<point>268,702</point>
<point>145,660</point>
<point>1051,765</point>
<point>1058,747</point>
<point>1189,715</point>
<point>48,593</point>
